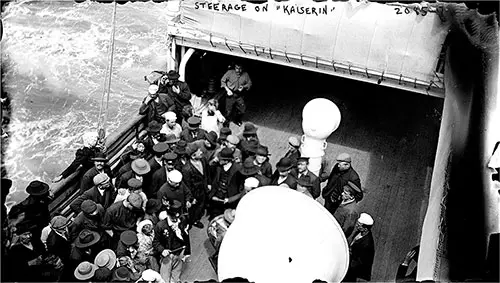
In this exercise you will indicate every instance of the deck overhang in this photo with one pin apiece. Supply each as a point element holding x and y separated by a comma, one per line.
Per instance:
<point>364,41</point>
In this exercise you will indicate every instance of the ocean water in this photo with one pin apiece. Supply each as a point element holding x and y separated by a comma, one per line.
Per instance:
<point>55,55</point>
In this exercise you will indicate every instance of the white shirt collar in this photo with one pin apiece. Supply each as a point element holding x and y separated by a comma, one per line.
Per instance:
<point>227,166</point>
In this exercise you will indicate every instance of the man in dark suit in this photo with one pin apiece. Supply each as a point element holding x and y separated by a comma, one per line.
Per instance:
<point>58,243</point>
<point>193,132</point>
<point>179,92</point>
<point>153,136</point>
<point>91,217</point>
<point>156,104</point>
<point>156,162</point>
<point>361,251</point>
<point>227,184</point>
<point>171,243</point>
<point>100,166</point>
<point>282,176</point>
<point>103,192</point>
<point>196,176</point>
<point>175,188</point>
<point>342,172</point>
<point>302,172</point>
<point>141,171</point>
<point>293,150</point>
<point>160,176</point>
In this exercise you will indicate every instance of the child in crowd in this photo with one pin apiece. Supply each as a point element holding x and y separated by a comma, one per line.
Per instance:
<point>212,118</point>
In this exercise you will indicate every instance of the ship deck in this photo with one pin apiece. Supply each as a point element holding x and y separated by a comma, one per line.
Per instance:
<point>390,134</point>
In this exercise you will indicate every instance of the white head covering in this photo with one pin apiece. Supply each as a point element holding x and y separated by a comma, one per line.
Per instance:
<point>175,176</point>
<point>162,216</point>
<point>171,116</point>
<point>153,89</point>
<point>151,276</point>
<point>365,219</point>
<point>251,182</point>
<point>89,139</point>
<point>142,224</point>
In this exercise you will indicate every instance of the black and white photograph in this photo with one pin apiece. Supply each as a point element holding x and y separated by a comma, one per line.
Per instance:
<point>297,141</point>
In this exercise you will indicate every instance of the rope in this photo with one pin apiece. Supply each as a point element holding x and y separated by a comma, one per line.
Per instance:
<point>107,79</point>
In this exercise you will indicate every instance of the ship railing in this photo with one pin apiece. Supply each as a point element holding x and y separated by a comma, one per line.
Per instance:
<point>68,189</point>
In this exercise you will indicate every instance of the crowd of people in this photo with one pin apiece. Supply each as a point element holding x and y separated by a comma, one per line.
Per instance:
<point>133,224</point>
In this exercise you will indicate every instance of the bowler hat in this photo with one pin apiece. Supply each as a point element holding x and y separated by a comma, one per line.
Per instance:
<point>85,270</point>
<point>249,129</point>
<point>153,127</point>
<point>170,156</point>
<point>180,147</point>
<point>160,147</point>
<point>129,238</point>
<point>59,222</point>
<point>135,200</point>
<point>100,178</point>
<point>140,166</point>
<point>122,273</point>
<point>88,206</point>
<point>249,168</point>
<point>211,137</point>
<point>225,154</point>
<point>37,188</point>
<point>153,206</point>
<point>193,122</point>
<point>134,184</point>
<point>87,238</point>
<point>262,151</point>
<point>106,258</point>
<point>173,75</point>
<point>174,206</point>
<point>171,139</point>
<point>284,164</point>
<point>100,157</point>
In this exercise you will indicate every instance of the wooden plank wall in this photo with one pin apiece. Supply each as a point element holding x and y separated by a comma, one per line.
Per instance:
<point>391,136</point>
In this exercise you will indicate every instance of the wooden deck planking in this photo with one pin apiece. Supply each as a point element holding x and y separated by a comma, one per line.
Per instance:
<point>392,138</point>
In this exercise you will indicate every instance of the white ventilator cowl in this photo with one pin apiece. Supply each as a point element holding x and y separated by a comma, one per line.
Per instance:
<point>281,235</point>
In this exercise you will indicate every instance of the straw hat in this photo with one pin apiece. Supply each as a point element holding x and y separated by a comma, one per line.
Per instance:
<point>85,270</point>
<point>140,166</point>
<point>106,258</point>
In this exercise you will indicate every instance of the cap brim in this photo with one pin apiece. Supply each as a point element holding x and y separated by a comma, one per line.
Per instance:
<point>99,159</point>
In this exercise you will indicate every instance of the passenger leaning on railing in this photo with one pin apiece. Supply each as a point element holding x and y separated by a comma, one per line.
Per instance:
<point>83,156</point>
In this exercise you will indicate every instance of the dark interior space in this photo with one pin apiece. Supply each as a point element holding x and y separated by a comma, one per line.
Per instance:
<point>390,133</point>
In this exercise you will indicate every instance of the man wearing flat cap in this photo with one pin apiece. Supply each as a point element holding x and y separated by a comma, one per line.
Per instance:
<point>100,166</point>
<point>35,208</point>
<point>58,243</point>
<point>179,92</point>
<point>155,104</point>
<point>301,172</point>
<point>348,212</point>
<point>342,173</point>
<point>156,161</point>
<point>160,176</point>
<point>196,177</point>
<point>103,192</point>
<point>193,132</point>
<point>123,216</point>
<point>91,217</point>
